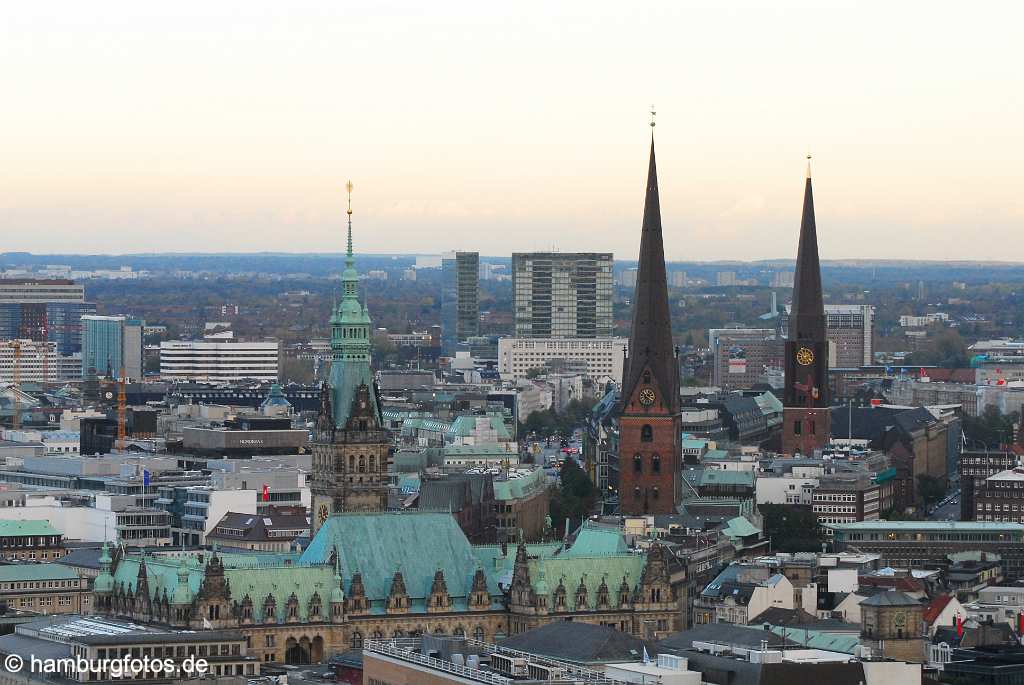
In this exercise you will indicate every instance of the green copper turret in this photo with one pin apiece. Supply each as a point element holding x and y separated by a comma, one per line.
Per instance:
<point>350,340</point>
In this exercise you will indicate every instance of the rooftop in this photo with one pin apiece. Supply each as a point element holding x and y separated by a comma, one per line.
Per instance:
<point>15,528</point>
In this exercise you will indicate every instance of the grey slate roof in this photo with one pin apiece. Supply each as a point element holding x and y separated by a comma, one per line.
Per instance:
<point>890,598</point>
<point>723,633</point>
<point>581,643</point>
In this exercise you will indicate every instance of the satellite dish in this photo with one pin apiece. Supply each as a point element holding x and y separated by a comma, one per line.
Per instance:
<point>109,395</point>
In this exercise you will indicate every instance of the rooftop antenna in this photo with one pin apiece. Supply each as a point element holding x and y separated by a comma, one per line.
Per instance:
<point>653,114</point>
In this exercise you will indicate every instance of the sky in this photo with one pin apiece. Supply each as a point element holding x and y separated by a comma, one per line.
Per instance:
<point>500,127</point>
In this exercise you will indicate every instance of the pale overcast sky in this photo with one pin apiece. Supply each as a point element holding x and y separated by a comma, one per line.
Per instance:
<point>510,126</point>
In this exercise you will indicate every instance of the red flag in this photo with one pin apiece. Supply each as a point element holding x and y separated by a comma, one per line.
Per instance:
<point>1020,623</point>
<point>959,626</point>
<point>876,402</point>
<point>266,493</point>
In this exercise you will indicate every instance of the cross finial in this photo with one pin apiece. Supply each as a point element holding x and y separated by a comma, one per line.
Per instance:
<point>808,164</point>
<point>348,187</point>
<point>653,114</point>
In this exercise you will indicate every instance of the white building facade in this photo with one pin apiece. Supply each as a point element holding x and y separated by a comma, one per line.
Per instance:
<point>219,362</point>
<point>596,358</point>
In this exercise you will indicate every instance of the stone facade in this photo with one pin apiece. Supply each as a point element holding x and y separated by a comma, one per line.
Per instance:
<point>350,464</point>
<point>892,625</point>
<point>337,594</point>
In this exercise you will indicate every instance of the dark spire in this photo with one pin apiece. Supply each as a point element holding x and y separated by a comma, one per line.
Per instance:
<point>650,341</point>
<point>807,316</point>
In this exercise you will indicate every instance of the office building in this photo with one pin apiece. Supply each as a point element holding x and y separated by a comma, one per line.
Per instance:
<point>849,329</point>
<point>975,466</point>
<point>112,343</point>
<point>595,358</point>
<point>42,310</point>
<point>743,357</point>
<point>219,362</point>
<point>37,362</point>
<point>460,298</point>
<point>562,295</point>
<point>806,418</point>
<point>649,422</point>
<point>928,544</point>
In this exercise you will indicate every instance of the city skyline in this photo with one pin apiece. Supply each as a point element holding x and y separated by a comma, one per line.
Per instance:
<point>234,128</point>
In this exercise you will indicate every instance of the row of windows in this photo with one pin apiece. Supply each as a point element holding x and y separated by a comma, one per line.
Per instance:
<point>638,463</point>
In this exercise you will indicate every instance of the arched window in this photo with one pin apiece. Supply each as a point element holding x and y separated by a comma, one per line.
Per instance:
<point>646,434</point>
<point>398,633</point>
<point>478,634</point>
<point>378,635</point>
<point>362,464</point>
<point>654,492</point>
<point>357,640</point>
<point>647,377</point>
<point>636,492</point>
<point>656,463</point>
<point>638,463</point>
<point>351,463</point>
<point>459,632</point>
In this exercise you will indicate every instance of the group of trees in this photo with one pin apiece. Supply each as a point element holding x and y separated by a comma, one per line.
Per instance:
<point>791,528</point>
<point>991,429</point>
<point>548,423</point>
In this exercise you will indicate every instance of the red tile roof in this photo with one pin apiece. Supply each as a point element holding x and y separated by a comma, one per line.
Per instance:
<point>935,607</point>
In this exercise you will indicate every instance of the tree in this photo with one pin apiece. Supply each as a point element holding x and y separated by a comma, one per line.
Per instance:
<point>930,488</point>
<point>575,497</point>
<point>947,349</point>
<point>792,528</point>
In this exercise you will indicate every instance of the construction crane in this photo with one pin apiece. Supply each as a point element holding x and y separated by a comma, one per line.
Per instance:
<point>122,411</point>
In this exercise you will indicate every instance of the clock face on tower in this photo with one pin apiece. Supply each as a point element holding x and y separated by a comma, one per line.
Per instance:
<point>647,397</point>
<point>323,513</point>
<point>804,356</point>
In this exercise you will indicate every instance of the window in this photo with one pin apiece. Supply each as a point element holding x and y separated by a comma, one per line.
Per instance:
<point>357,640</point>
<point>638,463</point>
<point>646,434</point>
<point>796,428</point>
<point>636,492</point>
<point>656,463</point>
<point>812,430</point>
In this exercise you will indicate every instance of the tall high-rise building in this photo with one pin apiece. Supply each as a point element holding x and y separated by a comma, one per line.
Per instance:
<point>562,295</point>
<point>649,423</point>
<point>112,343</point>
<point>44,310</point>
<point>460,298</point>
<point>351,450</point>
<point>806,412</point>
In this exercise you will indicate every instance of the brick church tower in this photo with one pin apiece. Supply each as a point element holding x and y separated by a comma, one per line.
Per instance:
<point>806,413</point>
<point>649,423</point>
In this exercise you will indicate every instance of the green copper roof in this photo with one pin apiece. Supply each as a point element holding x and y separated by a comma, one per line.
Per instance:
<point>592,570</point>
<point>740,527</point>
<point>517,488</point>
<point>721,477</point>
<point>845,643</point>
<point>8,528</point>
<point>20,572</point>
<point>417,544</point>
<point>252,578</point>
<point>595,540</point>
<point>465,426</point>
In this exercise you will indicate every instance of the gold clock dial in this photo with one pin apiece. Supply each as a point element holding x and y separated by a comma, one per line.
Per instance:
<point>323,513</point>
<point>647,397</point>
<point>804,356</point>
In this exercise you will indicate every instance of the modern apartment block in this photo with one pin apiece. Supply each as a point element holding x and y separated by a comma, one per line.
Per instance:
<point>38,362</point>
<point>595,358</point>
<point>850,331</point>
<point>460,298</point>
<point>112,343</point>
<point>219,362</point>
<point>41,310</point>
<point>743,356</point>
<point>562,295</point>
